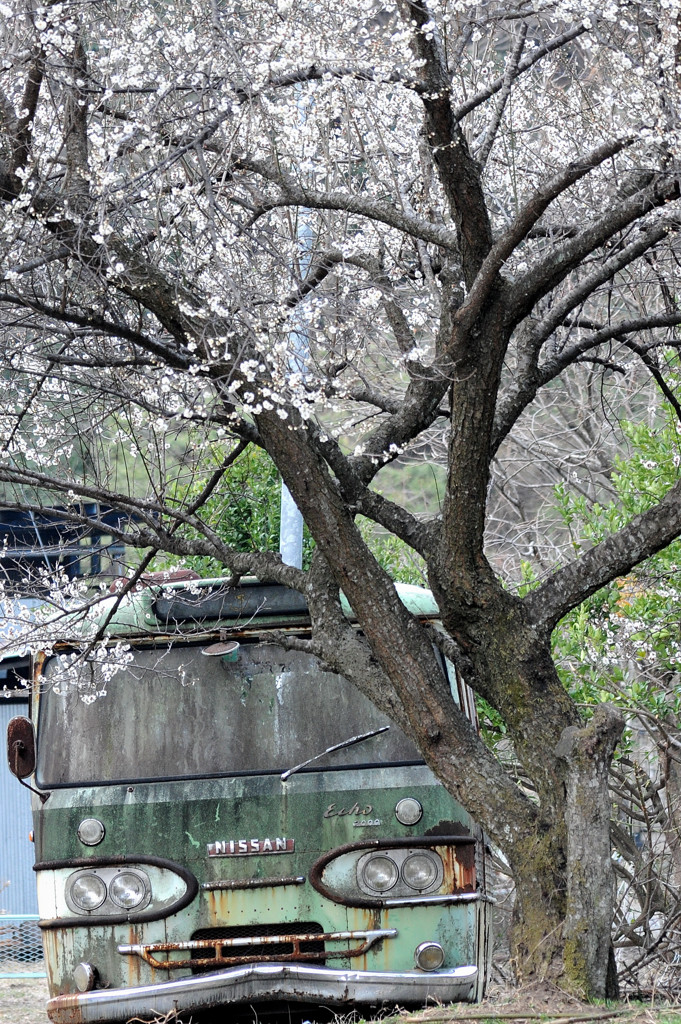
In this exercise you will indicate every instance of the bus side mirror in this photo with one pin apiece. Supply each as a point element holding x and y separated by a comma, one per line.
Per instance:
<point>21,746</point>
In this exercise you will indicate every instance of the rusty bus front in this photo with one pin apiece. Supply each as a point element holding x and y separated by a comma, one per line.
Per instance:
<point>219,821</point>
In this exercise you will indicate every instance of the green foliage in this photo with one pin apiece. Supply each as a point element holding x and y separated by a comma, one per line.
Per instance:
<point>398,560</point>
<point>623,645</point>
<point>245,512</point>
<point>245,508</point>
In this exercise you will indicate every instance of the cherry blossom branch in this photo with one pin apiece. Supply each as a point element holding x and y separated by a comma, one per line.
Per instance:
<point>267,565</point>
<point>489,90</point>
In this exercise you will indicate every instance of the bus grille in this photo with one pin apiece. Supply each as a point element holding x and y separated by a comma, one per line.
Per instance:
<point>212,948</point>
<point>262,951</point>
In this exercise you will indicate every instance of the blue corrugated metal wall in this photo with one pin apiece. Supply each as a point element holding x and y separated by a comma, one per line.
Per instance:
<point>17,878</point>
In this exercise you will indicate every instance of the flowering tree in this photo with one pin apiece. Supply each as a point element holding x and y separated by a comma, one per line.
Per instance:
<point>337,231</point>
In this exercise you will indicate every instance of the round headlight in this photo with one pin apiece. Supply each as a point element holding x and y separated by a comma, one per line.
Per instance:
<point>85,976</point>
<point>87,892</point>
<point>127,889</point>
<point>421,870</point>
<point>91,831</point>
<point>380,873</point>
<point>429,956</point>
<point>408,811</point>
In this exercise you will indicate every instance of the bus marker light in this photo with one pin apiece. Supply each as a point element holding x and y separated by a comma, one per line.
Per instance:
<point>91,831</point>
<point>408,811</point>
<point>429,956</point>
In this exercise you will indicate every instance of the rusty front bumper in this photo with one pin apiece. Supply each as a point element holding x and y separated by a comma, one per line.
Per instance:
<point>263,983</point>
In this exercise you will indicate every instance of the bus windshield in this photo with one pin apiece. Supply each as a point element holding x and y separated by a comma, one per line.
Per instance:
<point>175,712</point>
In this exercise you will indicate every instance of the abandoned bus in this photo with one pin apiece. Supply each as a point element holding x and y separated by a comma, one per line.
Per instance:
<point>219,821</point>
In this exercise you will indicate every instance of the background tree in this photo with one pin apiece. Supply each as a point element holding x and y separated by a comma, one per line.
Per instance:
<point>337,232</point>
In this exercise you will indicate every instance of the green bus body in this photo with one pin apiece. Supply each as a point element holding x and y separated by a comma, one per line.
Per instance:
<point>177,870</point>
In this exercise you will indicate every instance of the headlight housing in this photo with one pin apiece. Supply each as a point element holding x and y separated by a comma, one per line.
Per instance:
<point>107,890</point>
<point>420,870</point>
<point>400,872</point>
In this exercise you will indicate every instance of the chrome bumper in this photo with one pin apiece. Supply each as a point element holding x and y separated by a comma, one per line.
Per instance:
<point>263,983</point>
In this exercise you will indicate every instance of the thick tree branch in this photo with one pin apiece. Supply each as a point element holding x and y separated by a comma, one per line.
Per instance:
<point>525,220</point>
<point>615,556</point>
<point>21,146</point>
<point>555,265</point>
<point>295,194</point>
<point>77,181</point>
<point>459,173</point>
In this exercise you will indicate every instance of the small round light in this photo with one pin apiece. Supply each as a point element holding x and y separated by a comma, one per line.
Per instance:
<point>91,832</point>
<point>420,871</point>
<point>85,976</point>
<point>429,956</point>
<point>380,873</point>
<point>87,892</point>
<point>127,889</point>
<point>408,811</point>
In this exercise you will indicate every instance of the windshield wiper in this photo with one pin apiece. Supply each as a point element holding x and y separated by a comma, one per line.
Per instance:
<point>336,746</point>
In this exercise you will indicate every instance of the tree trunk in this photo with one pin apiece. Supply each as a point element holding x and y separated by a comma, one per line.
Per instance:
<point>564,880</point>
<point>562,867</point>
<point>590,880</point>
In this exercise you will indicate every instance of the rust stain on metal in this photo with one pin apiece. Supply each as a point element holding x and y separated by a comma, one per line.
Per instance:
<point>69,1010</point>
<point>133,962</point>
<point>146,951</point>
<point>459,868</point>
<point>448,828</point>
<point>218,907</point>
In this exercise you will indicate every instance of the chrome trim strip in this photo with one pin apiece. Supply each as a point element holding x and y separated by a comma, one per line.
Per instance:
<point>264,982</point>
<point>409,901</point>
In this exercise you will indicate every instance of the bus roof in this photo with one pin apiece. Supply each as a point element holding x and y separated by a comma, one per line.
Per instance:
<point>201,606</point>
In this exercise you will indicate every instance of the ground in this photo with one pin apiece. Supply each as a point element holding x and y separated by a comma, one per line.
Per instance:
<point>22,1001</point>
